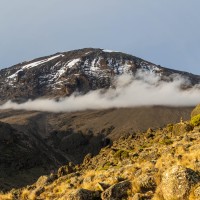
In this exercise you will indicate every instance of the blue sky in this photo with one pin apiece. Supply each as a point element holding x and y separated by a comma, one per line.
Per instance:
<point>165,32</point>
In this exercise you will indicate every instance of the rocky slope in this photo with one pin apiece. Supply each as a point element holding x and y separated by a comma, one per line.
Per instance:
<point>35,143</point>
<point>81,70</point>
<point>159,164</point>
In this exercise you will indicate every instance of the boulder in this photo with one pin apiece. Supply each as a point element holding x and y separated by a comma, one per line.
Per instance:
<point>117,191</point>
<point>146,196</point>
<point>83,194</point>
<point>180,128</point>
<point>177,182</point>
<point>146,182</point>
<point>87,158</point>
<point>42,181</point>
<point>67,169</point>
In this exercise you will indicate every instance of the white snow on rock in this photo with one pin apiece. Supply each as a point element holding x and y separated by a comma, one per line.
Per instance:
<point>34,64</point>
<point>73,62</point>
<point>150,67</point>
<point>64,68</point>
<point>88,53</point>
<point>108,51</point>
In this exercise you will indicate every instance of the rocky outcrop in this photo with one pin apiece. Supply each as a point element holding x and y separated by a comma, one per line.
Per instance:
<point>83,194</point>
<point>66,169</point>
<point>146,183</point>
<point>177,182</point>
<point>117,191</point>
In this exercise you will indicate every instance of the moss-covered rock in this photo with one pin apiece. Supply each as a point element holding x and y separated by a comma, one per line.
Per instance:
<point>196,111</point>
<point>180,128</point>
<point>117,191</point>
<point>83,194</point>
<point>195,121</point>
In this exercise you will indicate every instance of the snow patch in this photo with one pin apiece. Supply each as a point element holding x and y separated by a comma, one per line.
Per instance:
<point>63,69</point>
<point>108,51</point>
<point>88,53</point>
<point>73,62</point>
<point>34,64</point>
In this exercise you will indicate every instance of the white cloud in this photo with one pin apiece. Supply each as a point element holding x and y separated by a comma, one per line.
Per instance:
<point>141,90</point>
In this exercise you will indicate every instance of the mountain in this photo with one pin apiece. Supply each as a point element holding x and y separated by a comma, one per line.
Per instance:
<point>34,143</point>
<point>80,70</point>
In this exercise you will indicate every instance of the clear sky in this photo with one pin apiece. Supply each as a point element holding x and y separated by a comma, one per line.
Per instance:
<point>165,32</point>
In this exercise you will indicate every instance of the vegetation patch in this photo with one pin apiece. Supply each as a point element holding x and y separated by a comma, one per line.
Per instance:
<point>121,154</point>
<point>195,121</point>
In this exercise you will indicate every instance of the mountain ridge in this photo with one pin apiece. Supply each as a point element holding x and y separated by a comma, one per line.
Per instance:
<point>83,70</point>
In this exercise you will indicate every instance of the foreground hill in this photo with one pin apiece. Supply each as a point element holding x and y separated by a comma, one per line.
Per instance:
<point>80,71</point>
<point>35,143</point>
<point>159,164</point>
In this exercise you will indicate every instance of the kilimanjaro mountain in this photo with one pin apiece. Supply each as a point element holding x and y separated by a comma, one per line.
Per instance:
<point>81,71</point>
<point>33,143</point>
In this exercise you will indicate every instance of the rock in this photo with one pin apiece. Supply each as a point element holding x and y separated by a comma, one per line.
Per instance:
<point>103,186</point>
<point>117,191</point>
<point>137,196</point>
<point>39,191</point>
<point>180,128</point>
<point>177,182</point>
<point>64,170</point>
<point>42,181</point>
<point>146,196</point>
<point>83,194</point>
<point>87,158</point>
<point>146,183</point>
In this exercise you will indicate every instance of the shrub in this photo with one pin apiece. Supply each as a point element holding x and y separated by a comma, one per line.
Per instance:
<point>121,154</point>
<point>106,166</point>
<point>196,111</point>
<point>195,121</point>
<point>166,141</point>
<point>169,127</point>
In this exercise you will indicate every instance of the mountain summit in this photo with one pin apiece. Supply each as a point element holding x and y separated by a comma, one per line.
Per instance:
<point>80,71</point>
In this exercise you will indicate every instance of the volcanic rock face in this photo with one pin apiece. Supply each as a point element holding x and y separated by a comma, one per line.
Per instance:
<point>74,71</point>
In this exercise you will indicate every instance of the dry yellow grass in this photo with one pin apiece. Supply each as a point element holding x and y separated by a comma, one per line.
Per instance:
<point>110,168</point>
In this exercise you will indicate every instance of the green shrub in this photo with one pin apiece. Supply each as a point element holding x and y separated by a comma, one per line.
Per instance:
<point>195,121</point>
<point>196,111</point>
<point>106,166</point>
<point>121,154</point>
<point>166,141</point>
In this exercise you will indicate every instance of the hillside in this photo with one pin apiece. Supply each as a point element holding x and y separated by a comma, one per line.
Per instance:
<point>35,143</point>
<point>158,164</point>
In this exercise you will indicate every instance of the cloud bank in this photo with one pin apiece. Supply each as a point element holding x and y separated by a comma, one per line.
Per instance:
<point>141,90</point>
